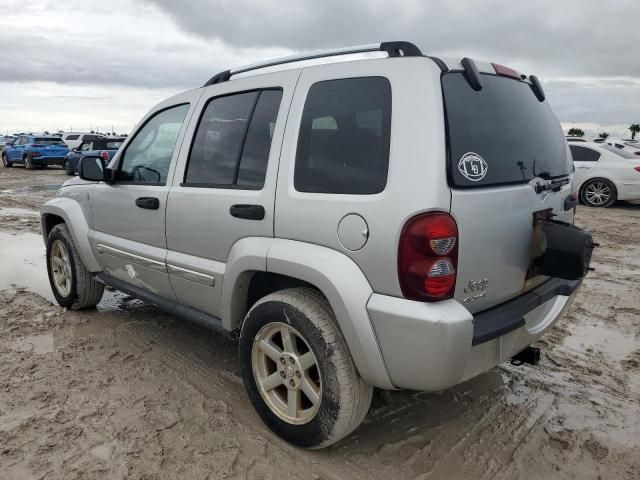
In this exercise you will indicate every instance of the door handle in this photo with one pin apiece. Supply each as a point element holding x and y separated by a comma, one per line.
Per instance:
<point>150,203</point>
<point>248,212</point>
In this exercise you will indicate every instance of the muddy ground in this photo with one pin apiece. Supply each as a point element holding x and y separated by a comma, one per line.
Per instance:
<point>126,391</point>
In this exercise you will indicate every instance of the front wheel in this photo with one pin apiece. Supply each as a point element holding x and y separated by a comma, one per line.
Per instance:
<point>5,161</point>
<point>598,192</point>
<point>67,168</point>
<point>72,284</point>
<point>297,369</point>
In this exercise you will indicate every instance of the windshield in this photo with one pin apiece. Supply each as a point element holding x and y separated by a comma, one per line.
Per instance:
<point>622,153</point>
<point>48,141</point>
<point>501,134</point>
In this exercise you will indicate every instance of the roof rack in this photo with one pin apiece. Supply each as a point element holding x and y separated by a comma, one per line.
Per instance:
<point>394,49</point>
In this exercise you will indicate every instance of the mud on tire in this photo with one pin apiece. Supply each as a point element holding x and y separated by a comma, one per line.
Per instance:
<point>85,292</point>
<point>344,397</point>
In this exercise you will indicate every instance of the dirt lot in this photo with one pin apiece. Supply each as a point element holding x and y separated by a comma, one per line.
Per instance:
<point>126,391</point>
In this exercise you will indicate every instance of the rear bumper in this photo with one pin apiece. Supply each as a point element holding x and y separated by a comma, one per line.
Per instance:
<point>433,346</point>
<point>47,160</point>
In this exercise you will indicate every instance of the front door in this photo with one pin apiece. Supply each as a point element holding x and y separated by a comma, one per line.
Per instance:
<point>129,214</point>
<point>224,186</point>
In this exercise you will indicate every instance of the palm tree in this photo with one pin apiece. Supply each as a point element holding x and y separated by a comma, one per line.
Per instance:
<point>634,128</point>
<point>604,135</point>
<point>575,132</point>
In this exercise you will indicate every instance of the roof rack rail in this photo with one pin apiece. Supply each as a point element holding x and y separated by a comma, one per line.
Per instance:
<point>394,49</point>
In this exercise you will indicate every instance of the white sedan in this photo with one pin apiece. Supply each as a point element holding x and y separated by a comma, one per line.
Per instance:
<point>605,174</point>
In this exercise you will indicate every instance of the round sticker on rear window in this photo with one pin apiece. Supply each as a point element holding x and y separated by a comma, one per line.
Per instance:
<point>473,166</point>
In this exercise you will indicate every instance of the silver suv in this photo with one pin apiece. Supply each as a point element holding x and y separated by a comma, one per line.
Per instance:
<point>358,218</point>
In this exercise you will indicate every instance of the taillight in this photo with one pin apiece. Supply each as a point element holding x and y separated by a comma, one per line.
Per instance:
<point>428,257</point>
<point>637,169</point>
<point>35,154</point>
<point>104,155</point>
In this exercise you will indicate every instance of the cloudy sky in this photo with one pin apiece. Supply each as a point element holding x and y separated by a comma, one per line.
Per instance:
<point>86,63</point>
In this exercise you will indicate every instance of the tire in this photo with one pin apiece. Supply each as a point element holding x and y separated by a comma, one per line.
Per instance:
<point>598,193</point>
<point>67,168</point>
<point>82,291</point>
<point>343,398</point>
<point>27,162</point>
<point>5,162</point>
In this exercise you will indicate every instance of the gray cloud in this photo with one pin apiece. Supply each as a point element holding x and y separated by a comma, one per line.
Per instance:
<point>554,38</point>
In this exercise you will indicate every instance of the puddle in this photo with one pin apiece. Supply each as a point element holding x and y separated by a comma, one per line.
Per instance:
<point>39,344</point>
<point>616,345</point>
<point>18,212</point>
<point>23,264</point>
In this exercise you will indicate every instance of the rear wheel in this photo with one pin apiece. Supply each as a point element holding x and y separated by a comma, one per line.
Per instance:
<point>28,163</point>
<point>598,192</point>
<point>72,284</point>
<point>5,161</point>
<point>298,371</point>
<point>67,167</point>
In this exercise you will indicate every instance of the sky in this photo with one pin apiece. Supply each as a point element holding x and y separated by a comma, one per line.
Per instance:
<point>85,64</point>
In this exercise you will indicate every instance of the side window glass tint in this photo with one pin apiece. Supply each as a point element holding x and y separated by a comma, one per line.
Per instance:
<point>148,155</point>
<point>232,143</point>
<point>255,153</point>
<point>343,144</point>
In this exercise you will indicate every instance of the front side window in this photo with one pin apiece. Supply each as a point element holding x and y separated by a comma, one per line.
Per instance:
<point>85,146</point>
<point>344,139</point>
<point>583,154</point>
<point>148,156</point>
<point>232,143</point>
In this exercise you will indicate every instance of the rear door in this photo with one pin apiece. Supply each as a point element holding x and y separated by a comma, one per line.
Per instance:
<point>505,147</point>
<point>224,185</point>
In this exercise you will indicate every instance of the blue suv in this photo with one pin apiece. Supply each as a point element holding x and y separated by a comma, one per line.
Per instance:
<point>34,151</point>
<point>104,148</point>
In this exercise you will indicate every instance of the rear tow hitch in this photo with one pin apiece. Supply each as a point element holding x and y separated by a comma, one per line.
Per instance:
<point>530,355</point>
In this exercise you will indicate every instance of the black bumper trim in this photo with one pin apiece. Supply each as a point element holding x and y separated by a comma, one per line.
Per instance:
<point>504,318</point>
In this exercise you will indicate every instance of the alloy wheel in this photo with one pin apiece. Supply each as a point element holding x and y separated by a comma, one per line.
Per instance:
<point>597,193</point>
<point>61,268</point>
<point>287,373</point>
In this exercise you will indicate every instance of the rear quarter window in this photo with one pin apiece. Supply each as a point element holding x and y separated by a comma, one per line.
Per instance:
<point>343,144</point>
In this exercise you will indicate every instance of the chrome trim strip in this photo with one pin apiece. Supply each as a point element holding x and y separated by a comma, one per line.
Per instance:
<point>186,274</point>
<point>137,259</point>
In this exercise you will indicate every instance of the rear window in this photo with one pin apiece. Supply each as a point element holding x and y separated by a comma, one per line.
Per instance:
<point>48,141</point>
<point>501,134</point>
<point>107,144</point>
<point>73,137</point>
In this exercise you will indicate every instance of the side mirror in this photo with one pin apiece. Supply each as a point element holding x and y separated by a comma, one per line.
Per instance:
<point>74,149</point>
<point>91,169</point>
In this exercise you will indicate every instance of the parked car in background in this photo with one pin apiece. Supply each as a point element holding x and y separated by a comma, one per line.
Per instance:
<point>104,148</point>
<point>629,146</point>
<point>605,174</point>
<point>74,139</point>
<point>34,151</point>
<point>576,139</point>
<point>347,247</point>
<point>6,139</point>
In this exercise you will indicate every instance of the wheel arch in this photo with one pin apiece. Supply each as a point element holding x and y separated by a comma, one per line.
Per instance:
<point>270,263</point>
<point>69,212</point>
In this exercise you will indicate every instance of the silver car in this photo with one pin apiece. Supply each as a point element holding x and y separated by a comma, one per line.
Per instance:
<point>358,218</point>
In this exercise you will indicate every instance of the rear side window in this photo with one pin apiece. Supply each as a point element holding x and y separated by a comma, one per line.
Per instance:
<point>501,134</point>
<point>343,144</point>
<point>233,140</point>
<point>583,154</point>
<point>73,137</point>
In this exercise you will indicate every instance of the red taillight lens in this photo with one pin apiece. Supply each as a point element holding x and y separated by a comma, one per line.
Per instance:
<point>637,169</point>
<point>505,71</point>
<point>428,257</point>
<point>104,155</point>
